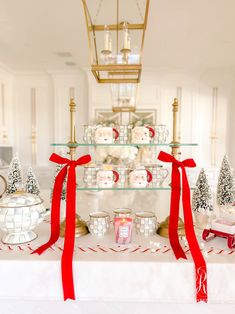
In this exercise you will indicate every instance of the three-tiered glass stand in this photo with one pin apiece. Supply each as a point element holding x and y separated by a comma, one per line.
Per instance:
<point>72,145</point>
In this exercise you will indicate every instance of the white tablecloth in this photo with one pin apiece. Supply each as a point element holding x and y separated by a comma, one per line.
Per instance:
<point>105,280</point>
<point>112,282</point>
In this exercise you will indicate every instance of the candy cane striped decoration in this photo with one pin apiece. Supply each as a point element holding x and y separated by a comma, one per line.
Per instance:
<point>101,249</point>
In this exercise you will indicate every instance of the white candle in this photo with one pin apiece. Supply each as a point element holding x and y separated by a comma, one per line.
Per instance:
<point>125,39</point>
<point>129,42</point>
<point>110,43</point>
<point>106,38</point>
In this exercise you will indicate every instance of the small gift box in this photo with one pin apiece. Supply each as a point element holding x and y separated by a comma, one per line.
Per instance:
<point>123,230</point>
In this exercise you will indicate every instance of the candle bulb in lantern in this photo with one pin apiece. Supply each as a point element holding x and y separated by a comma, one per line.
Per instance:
<point>110,44</point>
<point>107,40</point>
<point>125,36</point>
<point>129,42</point>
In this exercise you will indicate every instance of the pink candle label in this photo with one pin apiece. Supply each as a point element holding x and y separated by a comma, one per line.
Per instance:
<point>123,229</point>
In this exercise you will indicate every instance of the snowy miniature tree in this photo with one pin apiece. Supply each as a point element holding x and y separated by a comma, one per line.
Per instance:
<point>202,196</point>
<point>32,185</point>
<point>57,170</point>
<point>226,184</point>
<point>15,175</point>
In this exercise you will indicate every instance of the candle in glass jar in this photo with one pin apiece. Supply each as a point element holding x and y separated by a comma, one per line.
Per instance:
<point>123,230</point>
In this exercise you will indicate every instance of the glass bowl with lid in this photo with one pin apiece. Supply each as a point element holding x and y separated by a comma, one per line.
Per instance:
<point>20,213</point>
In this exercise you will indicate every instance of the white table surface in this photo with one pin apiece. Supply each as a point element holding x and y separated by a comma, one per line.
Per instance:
<point>113,282</point>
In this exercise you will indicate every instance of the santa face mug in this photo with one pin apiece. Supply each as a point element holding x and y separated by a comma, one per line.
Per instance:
<point>106,178</point>
<point>106,135</point>
<point>142,135</point>
<point>140,178</point>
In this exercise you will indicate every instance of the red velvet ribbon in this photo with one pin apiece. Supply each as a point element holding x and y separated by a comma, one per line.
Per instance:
<point>199,262</point>
<point>69,239</point>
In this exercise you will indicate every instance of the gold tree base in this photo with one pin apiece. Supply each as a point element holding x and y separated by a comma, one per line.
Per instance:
<point>163,229</point>
<point>81,228</point>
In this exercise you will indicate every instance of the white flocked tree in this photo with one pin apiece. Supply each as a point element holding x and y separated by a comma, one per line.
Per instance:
<point>15,175</point>
<point>57,170</point>
<point>226,184</point>
<point>202,197</point>
<point>31,184</point>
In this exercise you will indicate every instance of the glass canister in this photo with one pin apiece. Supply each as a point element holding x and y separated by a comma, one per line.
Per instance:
<point>123,175</point>
<point>88,136</point>
<point>145,223</point>
<point>124,134</point>
<point>99,223</point>
<point>90,173</point>
<point>122,212</point>
<point>161,134</point>
<point>159,174</point>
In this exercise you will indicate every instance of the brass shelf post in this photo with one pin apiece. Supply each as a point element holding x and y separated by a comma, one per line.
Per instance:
<point>80,227</point>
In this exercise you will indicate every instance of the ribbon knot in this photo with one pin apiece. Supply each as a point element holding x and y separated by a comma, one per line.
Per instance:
<point>68,170</point>
<point>199,262</point>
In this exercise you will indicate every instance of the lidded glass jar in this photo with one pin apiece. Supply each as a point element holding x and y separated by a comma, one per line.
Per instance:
<point>122,213</point>
<point>145,223</point>
<point>20,213</point>
<point>99,223</point>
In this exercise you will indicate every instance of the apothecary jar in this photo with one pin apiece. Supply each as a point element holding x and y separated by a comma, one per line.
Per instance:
<point>20,213</point>
<point>99,223</point>
<point>145,223</point>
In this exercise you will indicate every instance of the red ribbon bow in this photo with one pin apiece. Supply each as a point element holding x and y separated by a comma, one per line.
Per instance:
<point>199,262</point>
<point>67,256</point>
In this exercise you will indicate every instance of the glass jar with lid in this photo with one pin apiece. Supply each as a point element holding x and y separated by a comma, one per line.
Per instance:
<point>20,213</point>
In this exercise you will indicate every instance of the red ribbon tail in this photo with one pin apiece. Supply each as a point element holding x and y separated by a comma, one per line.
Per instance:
<point>67,256</point>
<point>174,214</point>
<point>55,212</point>
<point>199,261</point>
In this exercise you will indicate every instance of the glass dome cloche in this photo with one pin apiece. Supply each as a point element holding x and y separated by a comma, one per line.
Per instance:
<point>20,213</point>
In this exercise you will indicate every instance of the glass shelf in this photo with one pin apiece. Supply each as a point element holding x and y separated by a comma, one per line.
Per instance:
<point>122,145</point>
<point>160,188</point>
<point>82,188</point>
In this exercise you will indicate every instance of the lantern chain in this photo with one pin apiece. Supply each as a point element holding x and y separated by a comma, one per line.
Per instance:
<point>98,11</point>
<point>139,9</point>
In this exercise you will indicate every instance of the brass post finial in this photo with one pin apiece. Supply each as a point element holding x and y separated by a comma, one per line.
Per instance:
<point>72,150</point>
<point>175,105</point>
<point>175,140</point>
<point>72,105</point>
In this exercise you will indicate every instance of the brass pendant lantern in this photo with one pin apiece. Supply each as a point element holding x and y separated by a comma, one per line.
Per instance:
<point>116,31</point>
<point>124,97</point>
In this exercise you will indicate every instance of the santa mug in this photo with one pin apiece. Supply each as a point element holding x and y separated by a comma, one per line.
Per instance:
<point>140,178</point>
<point>106,178</point>
<point>106,135</point>
<point>142,134</point>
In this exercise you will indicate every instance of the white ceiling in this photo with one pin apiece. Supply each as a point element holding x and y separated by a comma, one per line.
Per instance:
<point>180,33</point>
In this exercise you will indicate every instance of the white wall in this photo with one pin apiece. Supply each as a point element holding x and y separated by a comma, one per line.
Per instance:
<point>6,107</point>
<point>52,110</point>
<point>158,89</point>
<point>231,131</point>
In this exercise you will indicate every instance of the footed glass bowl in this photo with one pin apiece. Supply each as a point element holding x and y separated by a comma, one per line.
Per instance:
<point>20,213</point>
